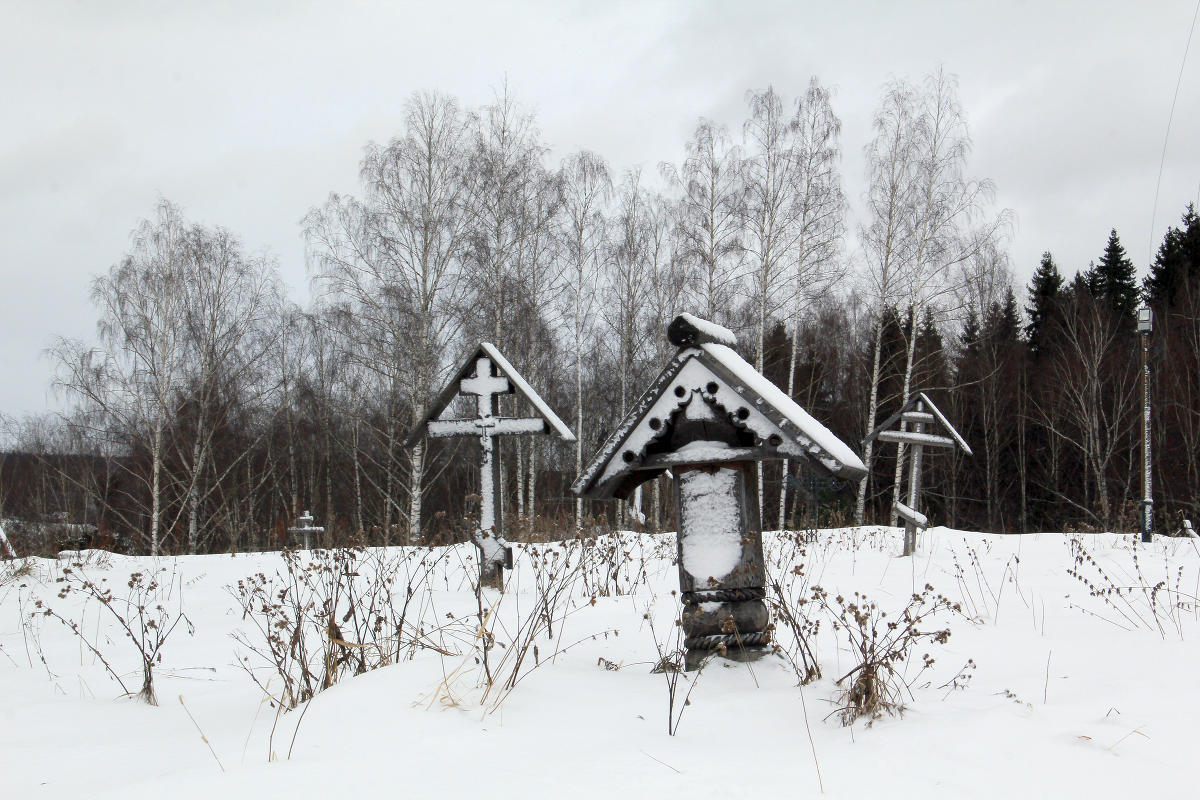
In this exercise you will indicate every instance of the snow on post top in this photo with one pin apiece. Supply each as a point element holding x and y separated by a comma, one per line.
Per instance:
<point>688,330</point>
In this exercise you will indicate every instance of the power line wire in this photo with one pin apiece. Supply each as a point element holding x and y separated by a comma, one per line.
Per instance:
<point>1166,137</point>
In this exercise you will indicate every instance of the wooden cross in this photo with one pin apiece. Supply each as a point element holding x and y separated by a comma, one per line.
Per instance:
<point>304,526</point>
<point>919,411</point>
<point>494,552</point>
<point>914,520</point>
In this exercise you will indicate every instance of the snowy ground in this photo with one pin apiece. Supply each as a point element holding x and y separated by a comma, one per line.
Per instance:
<point>1074,694</point>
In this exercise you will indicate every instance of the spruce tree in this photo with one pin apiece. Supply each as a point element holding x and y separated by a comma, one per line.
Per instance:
<point>930,372</point>
<point>1177,261</point>
<point>1004,320</point>
<point>1113,280</point>
<point>968,340</point>
<point>1045,303</point>
<point>1082,286</point>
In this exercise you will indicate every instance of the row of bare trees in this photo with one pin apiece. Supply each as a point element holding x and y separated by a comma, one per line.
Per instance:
<point>209,411</point>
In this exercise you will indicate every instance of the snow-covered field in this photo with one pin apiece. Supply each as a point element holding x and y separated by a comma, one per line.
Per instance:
<point>1073,693</point>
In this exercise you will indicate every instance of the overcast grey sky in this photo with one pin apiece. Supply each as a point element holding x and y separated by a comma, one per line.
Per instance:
<point>247,114</point>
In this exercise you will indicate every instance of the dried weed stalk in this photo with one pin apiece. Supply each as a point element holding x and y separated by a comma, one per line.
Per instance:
<point>881,645</point>
<point>1131,599</point>
<point>147,611</point>
<point>330,614</point>
<point>795,632</point>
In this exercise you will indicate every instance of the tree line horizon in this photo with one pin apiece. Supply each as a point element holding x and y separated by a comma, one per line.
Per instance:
<point>210,411</point>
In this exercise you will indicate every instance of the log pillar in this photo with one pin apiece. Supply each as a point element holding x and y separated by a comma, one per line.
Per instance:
<point>721,571</point>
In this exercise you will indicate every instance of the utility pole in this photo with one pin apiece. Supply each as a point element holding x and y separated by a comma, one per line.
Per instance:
<point>1145,326</point>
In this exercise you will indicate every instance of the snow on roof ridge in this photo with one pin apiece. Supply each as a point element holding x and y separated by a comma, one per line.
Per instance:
<point>717,333</point>
<point>805,422</point>
<point>522,386</point>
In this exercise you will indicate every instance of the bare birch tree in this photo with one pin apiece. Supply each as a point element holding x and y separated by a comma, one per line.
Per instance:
<point>819,210</point>
<point>922,213</point>
<point>709,218</point>
<point>1092,403</point>
<point>629,276</point>
<point>944,207</point>
<point>397,257</point>
<point>664,299</point>
<point>128,383</point>
<point>891,157</point>
<point>505,154</point>
<point>770,218</point>
<point>587,186</point>
<point>231,310</point>
<point>540,269</point>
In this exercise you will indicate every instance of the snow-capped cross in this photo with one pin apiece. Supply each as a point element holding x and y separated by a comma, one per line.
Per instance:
<point>492,376</point>
<point>485,385</point>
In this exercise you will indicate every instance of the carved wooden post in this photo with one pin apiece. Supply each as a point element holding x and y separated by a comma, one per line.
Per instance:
<point>721,573</point>
<point>707,417</point>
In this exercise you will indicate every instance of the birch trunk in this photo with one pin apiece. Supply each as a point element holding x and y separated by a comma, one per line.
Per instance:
<point>519,482</point>
<point>389,482</point>
<point>155,488</point>
<point>532,485</point>
<point>758,364</point>
<point>872,409</point>
<point>785,466</point>
<point>251,523</point>
<point>908,370</point>
<point>416,488</point>
<point>194,497</point>
<point>578,418</point>
<point>358,494</point>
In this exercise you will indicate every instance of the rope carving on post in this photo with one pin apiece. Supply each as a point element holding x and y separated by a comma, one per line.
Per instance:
<point>485,375</point>
<point>707,417</point>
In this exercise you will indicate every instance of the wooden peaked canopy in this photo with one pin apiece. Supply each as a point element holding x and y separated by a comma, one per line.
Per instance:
<point>517,384</point>
<point>706,370</point>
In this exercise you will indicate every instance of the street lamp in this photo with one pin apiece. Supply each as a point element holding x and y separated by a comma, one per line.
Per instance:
<point>1145,324</point>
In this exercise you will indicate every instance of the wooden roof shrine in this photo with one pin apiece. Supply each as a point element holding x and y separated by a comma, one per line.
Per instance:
<point>930,429</point>
<point>708,377</point>
<point>706,417</point>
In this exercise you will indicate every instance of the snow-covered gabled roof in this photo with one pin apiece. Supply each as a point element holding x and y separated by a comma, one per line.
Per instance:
<point>717,376</point>
<point>517,383</point>
<point>836,451</point>
<point>927,406</point>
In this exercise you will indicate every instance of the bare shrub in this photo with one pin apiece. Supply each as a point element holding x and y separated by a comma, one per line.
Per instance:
<point>672,664</point>
<point>881,647</point>
<point>1130,599</point>
<point>15,571</point>
<point>620,562</point>
<point>329,614</point>
<point>557,570</point>
<point>142,610</point>
<point>981,601</point>
<point>794,631</point>
<point>567,577</point>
